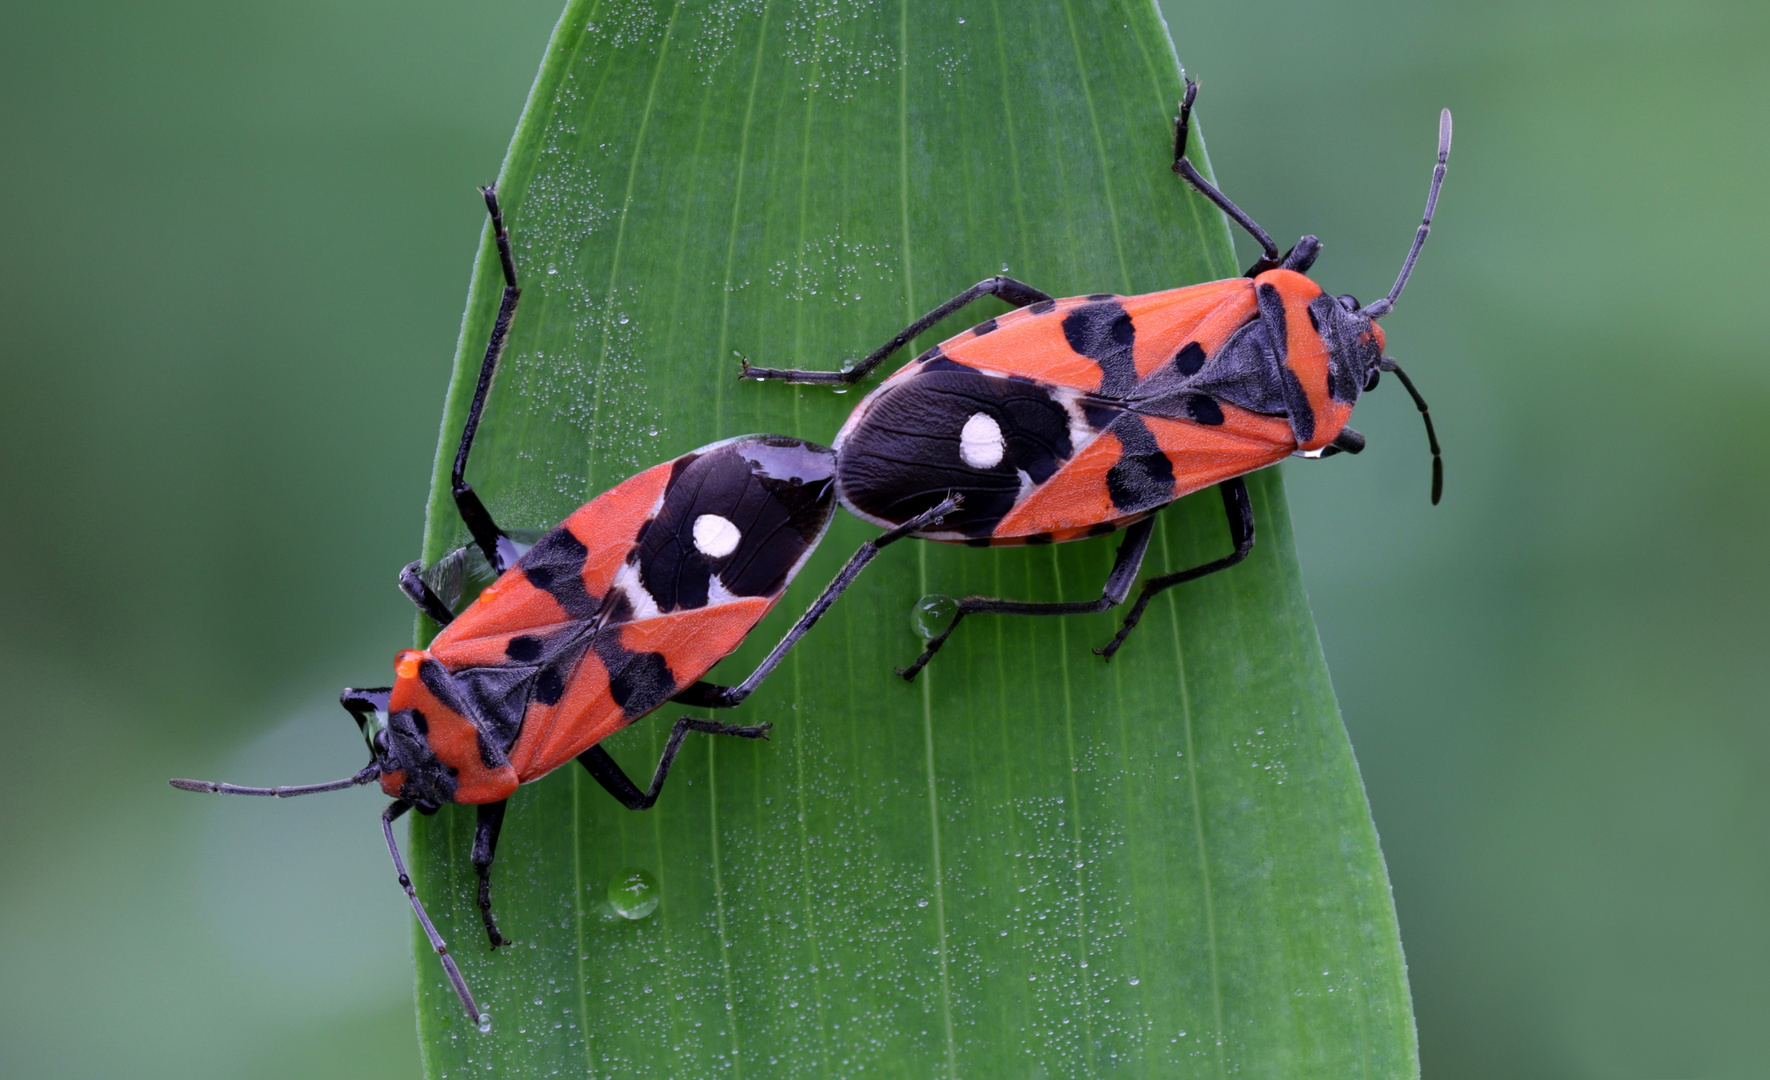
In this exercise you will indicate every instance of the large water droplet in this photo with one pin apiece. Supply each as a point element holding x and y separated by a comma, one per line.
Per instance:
<point>932,615</point>
<point>633,893</point>
<point>485,1022</point>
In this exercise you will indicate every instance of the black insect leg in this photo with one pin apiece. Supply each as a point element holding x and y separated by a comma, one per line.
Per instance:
<point>388,817</point>
<point>709,695</point>
<point>485,846</point>
<point>1240,511</point>
<point>1300,258</point>
<point>615,781</point>
<point>497,548</point>
<point>419,593</point>
<point>1118,586</point>
<point>1016,293</point>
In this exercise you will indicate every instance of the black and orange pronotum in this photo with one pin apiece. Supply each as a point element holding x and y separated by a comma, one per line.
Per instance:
<point>617,611</point>
<point>1070,418</point>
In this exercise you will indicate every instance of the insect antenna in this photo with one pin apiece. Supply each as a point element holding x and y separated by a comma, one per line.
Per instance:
<point>1431,435</point>
<point>1381,307</point>
<point>369,774</point>
<point>388,816</point>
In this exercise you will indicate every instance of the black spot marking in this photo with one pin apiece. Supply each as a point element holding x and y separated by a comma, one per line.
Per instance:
<point>779,495</point>
<point>1039,307</point>
<point>454,771</point>
<point>931,354</point>
<point>1190,359</point>
<point>904,456</point>
<point>987,326</point>
<point>550,685</point>
<point>420,723</point>
<point>1103,528</point>
<point>1272,314</point>
<point>523,649</point>
<point>977,541</point>
<point>1099,414</point>
<point>1101,296</point>
<point>1302,415</point>
<point>1143,478</point>
<point>1203,409</point>
<point>1103,333</point>
<point>941,363</point>
<point>638,681</point>
<point>1040,538</point>
<point>680,464</point>
<point>617,606</point>
<point>556,565</point>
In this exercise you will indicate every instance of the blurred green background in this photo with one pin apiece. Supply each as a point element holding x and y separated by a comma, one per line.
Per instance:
<point>237,245</point>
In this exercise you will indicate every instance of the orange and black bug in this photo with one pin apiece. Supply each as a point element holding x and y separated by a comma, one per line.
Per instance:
<point>617,611</point>
<point>1072,418</point>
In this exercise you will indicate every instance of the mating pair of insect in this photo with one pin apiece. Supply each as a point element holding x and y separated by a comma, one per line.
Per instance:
<point>1060,420</point>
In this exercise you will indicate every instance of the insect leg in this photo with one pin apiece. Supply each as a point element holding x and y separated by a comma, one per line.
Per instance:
<point>725,697</point>
<point>419,593</point>
<point>615,781</point>
<point>1118,585</point>
<point>1240,511</point>
<point>485,845</point>
<point>388,817</point>
<point>1017,293</point>
<point>498,549</point>
<point>1183,166</point>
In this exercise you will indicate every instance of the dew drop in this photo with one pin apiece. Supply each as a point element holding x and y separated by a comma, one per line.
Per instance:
<point>932,615</point>
<point>485,1022</point>
<point>633,893</point>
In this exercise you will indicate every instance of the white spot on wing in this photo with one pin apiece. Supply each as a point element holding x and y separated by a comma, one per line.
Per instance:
<point>716,537</point>
<point>980,443</point>
<point>627,580</point>
<point>1081,433</point>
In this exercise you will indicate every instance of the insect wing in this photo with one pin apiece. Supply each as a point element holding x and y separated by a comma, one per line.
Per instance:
<point>625,672</point>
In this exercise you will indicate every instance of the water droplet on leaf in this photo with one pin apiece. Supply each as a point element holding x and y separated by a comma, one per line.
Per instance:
<point>633,893</point>
<point>932,615</point>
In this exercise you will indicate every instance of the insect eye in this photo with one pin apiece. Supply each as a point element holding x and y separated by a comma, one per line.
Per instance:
<point>1348,301</point>
<point>1370,383</point>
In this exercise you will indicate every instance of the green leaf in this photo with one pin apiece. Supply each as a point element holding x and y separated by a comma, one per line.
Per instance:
<point>1029,862</point>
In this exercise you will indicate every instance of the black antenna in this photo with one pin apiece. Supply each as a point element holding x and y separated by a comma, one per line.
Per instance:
<point>1382,307</point>
<point>1426,415</point>
<point>369,774</point>
<point>388,816</point>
